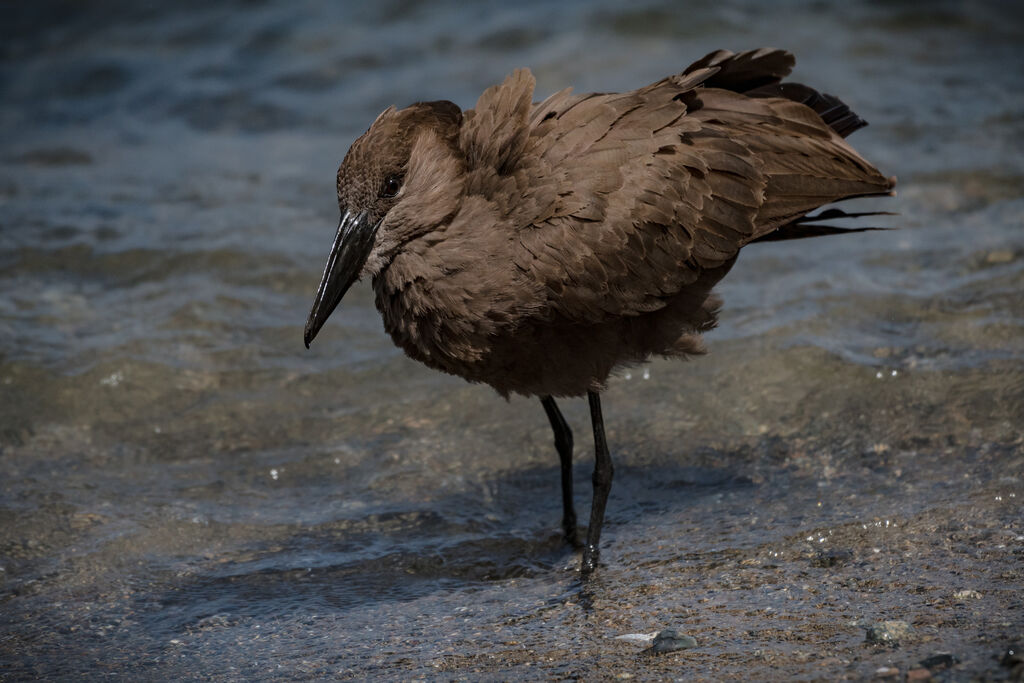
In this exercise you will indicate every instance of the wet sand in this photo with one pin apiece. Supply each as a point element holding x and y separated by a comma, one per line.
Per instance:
<point>189,493</point>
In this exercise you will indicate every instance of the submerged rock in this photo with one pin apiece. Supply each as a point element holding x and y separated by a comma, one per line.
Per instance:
<point>831,558</point>
<point>1013,659</point>
<point>943,660</point>
<point>671,640</point>
<point>889,632</point>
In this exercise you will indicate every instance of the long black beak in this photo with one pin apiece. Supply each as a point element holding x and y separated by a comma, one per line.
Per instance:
<point>351,248</point>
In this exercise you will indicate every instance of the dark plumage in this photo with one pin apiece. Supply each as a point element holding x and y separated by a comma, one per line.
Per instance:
<point>536,247</point>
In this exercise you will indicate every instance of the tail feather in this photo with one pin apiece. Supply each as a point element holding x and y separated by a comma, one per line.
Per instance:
<point>759,73</point>
<point>743,71</point>
<point>803,227</point>
<point>833,111</point>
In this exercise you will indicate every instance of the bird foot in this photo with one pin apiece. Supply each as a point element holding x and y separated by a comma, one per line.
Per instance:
<point>589,562</point>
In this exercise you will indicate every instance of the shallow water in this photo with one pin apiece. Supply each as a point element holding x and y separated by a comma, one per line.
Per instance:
<point>190,493</point>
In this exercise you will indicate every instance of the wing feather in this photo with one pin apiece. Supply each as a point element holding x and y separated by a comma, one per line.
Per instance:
<point>622,200</point>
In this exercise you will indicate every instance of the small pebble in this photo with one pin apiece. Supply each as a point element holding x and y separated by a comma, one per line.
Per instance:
<point>999,256</point>
<point>919,675</point>
<point>887,672</point>
<point>221,620</point>
<point>671,640</point>
<point>967,595</point>
<point>889,632</point>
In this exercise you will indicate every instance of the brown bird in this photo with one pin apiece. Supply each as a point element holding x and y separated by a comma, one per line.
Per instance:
<point>538,247</point>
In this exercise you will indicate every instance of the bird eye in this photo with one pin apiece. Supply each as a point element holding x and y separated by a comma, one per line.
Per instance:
<point>391,186</point>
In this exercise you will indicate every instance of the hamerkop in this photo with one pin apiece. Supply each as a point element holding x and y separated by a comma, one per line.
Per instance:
<point>538,247</point>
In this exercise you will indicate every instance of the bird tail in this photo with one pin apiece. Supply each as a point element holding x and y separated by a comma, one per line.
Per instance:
<point>808,226</point>
<point>832,110</point>
<point>759,73</point>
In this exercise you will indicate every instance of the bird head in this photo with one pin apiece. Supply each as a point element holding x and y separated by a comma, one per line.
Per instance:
<point>399,180</point>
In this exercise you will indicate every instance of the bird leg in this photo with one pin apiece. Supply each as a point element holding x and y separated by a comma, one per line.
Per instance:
<point>603,472</point>
<point>563,444</point>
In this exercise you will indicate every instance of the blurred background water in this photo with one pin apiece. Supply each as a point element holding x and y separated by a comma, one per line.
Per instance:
<point>188,492</point>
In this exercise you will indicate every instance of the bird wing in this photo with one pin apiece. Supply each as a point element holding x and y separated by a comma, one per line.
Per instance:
<point>619,201</point>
